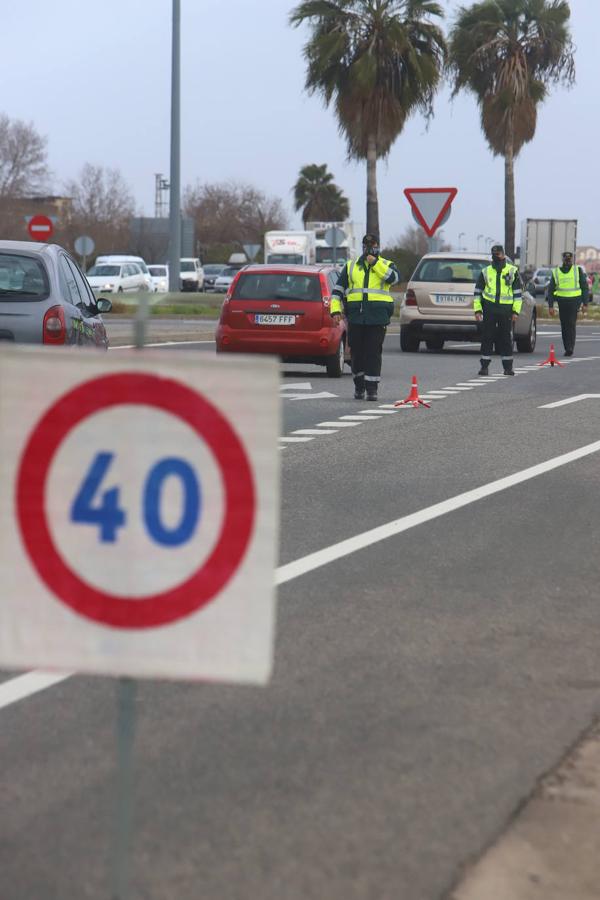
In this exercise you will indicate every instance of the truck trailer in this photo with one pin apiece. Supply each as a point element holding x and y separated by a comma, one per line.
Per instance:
<point>543,241</point>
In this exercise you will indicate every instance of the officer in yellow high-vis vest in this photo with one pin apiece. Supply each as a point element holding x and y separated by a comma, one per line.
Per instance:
<point>497,303</point>
<point>569,287</point>
<point>362,292</point>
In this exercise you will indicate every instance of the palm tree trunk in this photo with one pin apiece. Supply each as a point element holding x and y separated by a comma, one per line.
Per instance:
<point>509,199</point>
<point>372,202</point>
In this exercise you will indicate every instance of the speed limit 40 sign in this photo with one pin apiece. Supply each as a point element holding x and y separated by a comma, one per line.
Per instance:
<point>138,511</point>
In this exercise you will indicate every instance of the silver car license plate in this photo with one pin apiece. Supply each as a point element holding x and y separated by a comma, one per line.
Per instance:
<point>452,299</point>
<point>269,319</point>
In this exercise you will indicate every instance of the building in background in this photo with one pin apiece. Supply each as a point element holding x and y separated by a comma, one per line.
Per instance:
<point>150,239</point>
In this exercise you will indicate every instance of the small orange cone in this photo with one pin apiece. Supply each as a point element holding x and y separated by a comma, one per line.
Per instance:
<point>413,398</point>
<point>552,360</point>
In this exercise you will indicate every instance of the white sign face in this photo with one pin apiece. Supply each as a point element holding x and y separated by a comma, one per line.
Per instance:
<point>139,506</point>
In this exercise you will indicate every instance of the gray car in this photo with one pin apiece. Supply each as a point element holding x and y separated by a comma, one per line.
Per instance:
<point>46,299</point>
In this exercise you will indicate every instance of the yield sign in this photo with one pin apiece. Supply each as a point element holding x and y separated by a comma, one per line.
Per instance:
<point>430,206</point>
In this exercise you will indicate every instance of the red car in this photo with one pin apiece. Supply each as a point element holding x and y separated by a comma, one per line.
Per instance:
<point>284,310</point>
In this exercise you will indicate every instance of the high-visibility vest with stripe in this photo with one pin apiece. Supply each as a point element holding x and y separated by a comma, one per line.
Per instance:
<point>506,276</point>
<point>372,303</point>
<point>566,284</point>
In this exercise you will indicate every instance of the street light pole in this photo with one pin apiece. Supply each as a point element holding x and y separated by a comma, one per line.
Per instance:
<point>175,189</point>
<point>479,236</point>
<point>460,236</point>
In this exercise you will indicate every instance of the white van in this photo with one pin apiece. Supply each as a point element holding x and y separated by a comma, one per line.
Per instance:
<point>191,274</point>
<point>116,259</point>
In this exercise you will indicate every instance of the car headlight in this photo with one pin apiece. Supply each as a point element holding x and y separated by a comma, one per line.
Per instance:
<point>108,286</point>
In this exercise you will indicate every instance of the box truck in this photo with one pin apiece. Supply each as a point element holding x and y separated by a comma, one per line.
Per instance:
<point>544,240</point>
<point>290,247</point>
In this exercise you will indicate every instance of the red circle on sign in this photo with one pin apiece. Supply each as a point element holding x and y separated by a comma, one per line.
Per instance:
<point>40,228</point>
<point>172,397</point>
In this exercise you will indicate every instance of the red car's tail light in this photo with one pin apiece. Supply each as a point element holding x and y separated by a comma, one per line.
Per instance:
<point>54,328</point>
<point>410,298</point>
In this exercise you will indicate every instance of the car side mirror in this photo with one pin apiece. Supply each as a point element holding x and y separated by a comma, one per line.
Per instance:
<point>103,305</point>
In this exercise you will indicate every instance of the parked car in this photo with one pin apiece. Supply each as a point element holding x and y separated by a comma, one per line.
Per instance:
<point>211,273</point>
<point>284,310</point>
<point>160,277</point>
<point>223,281</point>
<point>191,274</point>
<point>438,304</point>
<point>115,259</point>
<point>540,281</point>
<point>115,278</point>
<point>45,298</point>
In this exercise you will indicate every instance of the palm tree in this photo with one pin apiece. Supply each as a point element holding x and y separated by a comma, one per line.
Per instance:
<point>506,52</point>
<point>378,61</point>
<point>318,197</point>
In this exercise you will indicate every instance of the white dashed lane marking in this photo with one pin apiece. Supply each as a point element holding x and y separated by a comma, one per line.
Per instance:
<point>314,431</point>
<point>339,424</point>
<point>295,440</point>
<point>357,418</point>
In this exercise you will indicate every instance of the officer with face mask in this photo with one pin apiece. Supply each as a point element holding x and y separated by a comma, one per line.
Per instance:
<point>569,287</point>
<point>497,303</point>
<point>362,292</point>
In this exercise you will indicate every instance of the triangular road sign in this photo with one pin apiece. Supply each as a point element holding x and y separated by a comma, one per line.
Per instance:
<point>430,205</point>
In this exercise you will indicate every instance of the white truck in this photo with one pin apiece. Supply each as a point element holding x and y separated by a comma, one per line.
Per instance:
<point>290,247</point>
<point>544,240</point>
<point>325,251</point>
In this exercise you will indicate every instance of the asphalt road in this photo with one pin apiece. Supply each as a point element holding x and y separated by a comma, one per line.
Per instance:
<point>423,683</point>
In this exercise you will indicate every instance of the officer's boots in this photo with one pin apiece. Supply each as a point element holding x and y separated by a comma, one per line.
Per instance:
<point>371,390</point>
<point>485,367</point>
<point>359,387</point>
<point>507,365</point>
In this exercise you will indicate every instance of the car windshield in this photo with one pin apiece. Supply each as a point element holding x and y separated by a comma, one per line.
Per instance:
<point>188,266</point>
<point>158,271</point>
<point>215,269</point>
<point>544,273</point>
<point>104,271</point>
<point>229,272</point>
<point>22,278</point>
<point>453,271</point>
<point>293,259</point>
<point>277,286</point>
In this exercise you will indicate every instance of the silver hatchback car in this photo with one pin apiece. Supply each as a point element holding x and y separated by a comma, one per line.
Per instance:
<point>438,304</point>
<point>46,299</point>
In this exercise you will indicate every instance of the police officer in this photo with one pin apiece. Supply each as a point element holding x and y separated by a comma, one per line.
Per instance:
<point>497,304</point>
<point>569,287</point>
<point>362,292</point>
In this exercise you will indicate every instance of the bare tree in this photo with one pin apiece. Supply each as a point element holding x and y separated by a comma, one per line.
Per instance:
<point>23,167</point>
<point>102,207</point>
<point>232,213</point>
<point>414,239</point>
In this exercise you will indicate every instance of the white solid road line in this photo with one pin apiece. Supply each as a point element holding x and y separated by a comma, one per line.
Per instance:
<point>383,532</point>
<point>32,682</point>
<point>160,344</point>
<point>568,400</point>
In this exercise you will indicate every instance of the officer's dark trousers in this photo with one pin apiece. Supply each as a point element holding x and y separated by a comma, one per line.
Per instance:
<point>366,346</point>
<point>567,310</point>
<point>496,329</point>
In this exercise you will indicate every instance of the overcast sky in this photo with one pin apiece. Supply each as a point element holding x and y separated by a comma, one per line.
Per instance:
<point>95,80</point>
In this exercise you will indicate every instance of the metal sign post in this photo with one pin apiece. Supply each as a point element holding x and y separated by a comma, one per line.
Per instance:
<point>84,246</point>
<point>334,237</point>
<point>123,828</point>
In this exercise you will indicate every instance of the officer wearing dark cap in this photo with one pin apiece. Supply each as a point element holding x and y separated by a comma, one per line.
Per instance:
<point>362,292</point>
<point>497,303</point>
<point>569,287</point>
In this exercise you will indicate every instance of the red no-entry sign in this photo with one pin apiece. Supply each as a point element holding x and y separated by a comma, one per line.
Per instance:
<point>40,228</point>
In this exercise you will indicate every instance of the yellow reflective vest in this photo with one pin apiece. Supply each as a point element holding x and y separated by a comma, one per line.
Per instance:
<point>566,284</point>
<point>507,294</point>
<point>367,297</point>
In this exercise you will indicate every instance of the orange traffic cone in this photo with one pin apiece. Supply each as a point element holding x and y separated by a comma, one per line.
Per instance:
<point>413,398</point>
<point>552,360</point>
